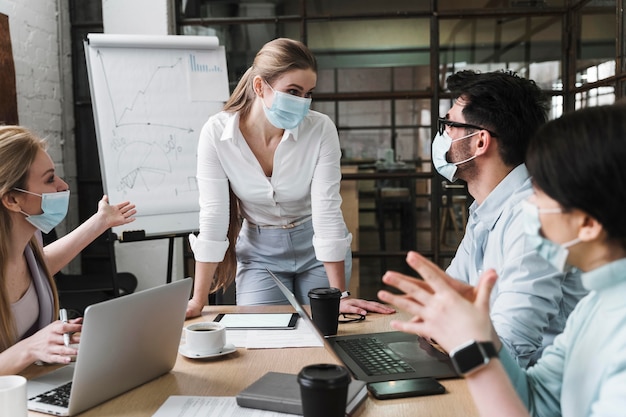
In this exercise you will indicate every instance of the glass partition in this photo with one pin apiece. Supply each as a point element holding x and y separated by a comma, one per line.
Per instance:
<point>526,45</point>
<point>596,60</point>
<point>324,8</point>
<point>507,5</point>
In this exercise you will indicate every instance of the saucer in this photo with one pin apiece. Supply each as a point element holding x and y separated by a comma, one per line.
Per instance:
<point>228,348</point>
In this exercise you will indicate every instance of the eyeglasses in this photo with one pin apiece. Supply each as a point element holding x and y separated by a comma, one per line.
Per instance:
<point>442,123</point>
<point>350,318</point>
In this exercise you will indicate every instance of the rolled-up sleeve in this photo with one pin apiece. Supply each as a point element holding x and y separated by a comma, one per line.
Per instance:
<point>332,240</point>
<point>540,386</point>
<point>528,296</point>
<point>211,243</point>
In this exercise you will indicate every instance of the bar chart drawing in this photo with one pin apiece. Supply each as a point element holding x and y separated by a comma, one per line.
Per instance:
<point>194,66</point>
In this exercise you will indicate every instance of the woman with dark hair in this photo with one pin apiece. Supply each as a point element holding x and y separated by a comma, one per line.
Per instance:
<point>269,159</point>
<point>575,217</point>
<point>35,200</point>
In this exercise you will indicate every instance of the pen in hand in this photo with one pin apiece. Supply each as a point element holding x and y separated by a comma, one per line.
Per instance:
<point>66,336</point>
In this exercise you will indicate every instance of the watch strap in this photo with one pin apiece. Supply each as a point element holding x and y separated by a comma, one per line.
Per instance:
<point>472,355</point>
<point>345,294</point>
<point>489,349</point>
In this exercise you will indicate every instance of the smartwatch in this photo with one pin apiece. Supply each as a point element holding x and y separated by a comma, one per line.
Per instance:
<point>345,294</point>
<point>471,356</point>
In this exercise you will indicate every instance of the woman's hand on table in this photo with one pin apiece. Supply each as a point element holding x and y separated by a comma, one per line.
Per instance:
<point>194,309</point>
<point>362,307</point>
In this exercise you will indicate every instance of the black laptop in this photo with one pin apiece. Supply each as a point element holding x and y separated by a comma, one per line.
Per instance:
<point>386,356</point>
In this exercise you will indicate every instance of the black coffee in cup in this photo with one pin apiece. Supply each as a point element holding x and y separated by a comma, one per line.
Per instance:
<point>324,390</point>
<point>325,309</point>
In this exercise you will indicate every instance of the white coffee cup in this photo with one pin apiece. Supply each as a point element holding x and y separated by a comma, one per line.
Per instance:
<point>205,338</point>
<point>13,396</point>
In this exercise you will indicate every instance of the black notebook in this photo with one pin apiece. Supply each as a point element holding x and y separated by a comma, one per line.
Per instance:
<point>276,391</point>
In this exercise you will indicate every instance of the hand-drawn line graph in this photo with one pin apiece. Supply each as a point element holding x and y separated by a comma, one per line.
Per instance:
<point>147,157</point>
<point>138,110</point>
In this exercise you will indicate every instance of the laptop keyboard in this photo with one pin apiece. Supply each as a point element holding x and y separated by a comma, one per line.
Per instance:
<point>59,396</point>
<point>374,357</point>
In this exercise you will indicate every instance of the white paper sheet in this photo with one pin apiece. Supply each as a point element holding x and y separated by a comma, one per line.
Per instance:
<point>199,406</point>
<point>301,336</point>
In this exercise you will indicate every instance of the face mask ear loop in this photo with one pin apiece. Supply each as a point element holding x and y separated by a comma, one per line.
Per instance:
<point>27,192</point>
<point>462,162</point>
<point>268,84</point>
<point>262,97</point>
<point>461,138</point>
<point>571,243</point>
<point>456,140</point>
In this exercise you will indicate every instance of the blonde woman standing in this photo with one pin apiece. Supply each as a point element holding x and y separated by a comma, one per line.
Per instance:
<point>281,163</point>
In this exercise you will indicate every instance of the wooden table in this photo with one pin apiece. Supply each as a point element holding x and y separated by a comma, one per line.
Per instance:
<point>228,375</point>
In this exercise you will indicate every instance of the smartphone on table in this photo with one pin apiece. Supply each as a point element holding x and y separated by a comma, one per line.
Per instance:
<point>405,388</point>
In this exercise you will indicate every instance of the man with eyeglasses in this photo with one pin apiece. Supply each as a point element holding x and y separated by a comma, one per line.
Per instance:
<point>482,140</point>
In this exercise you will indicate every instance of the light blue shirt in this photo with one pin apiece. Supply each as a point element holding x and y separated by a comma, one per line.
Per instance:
<point>531,300</point>
<point>584,372</point>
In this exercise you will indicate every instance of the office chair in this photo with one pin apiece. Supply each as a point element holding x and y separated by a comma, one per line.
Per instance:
<point>453,210</point>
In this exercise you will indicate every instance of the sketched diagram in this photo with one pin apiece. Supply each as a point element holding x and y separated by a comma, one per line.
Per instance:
<point>153,140</point>
<point>143,99</point>
<point>142,164</point>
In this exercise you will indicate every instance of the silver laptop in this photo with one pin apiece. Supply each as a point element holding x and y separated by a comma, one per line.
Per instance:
<point>386,356</point>
<point>125,342</point>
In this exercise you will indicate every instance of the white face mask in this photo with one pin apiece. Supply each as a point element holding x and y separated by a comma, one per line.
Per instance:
<point>552,252</point>
<point>54,207</point>
<point>287,110</point>
<point>441,145</point>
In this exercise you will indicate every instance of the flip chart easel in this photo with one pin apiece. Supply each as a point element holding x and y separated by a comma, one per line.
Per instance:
<point>151,96</point>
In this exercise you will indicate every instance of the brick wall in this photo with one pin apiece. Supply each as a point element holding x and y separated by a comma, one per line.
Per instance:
<point>35,42</point>
<point>40,41</point>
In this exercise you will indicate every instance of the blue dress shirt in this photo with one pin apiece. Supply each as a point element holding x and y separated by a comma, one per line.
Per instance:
<point>531,300</point>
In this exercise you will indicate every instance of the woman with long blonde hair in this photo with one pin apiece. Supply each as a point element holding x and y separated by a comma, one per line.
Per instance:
<point>34,200</point>
<point>270,160</point>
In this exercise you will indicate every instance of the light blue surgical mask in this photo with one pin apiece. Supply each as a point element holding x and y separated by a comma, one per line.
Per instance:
<point>441,145</point>
<point>287,110</point>
<point>554,253</point>
<point>54,207</point>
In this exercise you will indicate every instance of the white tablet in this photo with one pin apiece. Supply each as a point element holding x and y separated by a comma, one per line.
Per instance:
<point>248,321</point>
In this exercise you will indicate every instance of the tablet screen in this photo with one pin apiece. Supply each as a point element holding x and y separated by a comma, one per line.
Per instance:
<point>258,320</point>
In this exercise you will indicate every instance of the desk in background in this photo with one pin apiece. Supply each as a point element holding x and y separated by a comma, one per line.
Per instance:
<point>228,375</point>
<point>350,209</point>
<point>396,196</point>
